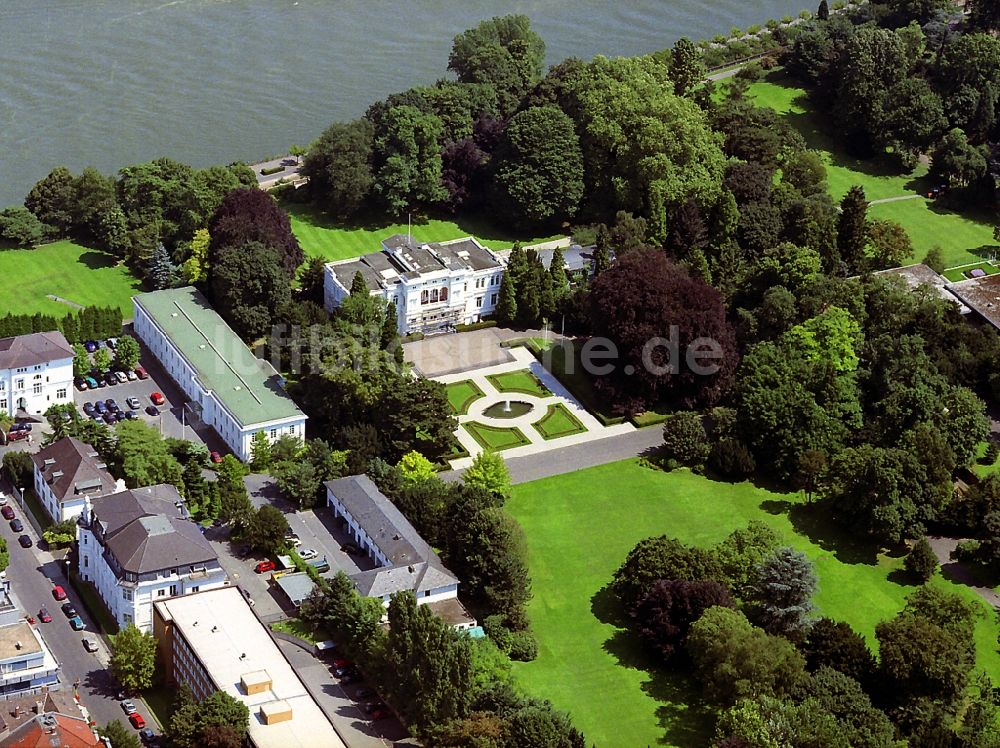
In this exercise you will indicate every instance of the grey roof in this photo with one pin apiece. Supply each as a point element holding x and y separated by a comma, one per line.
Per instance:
<point>297,586</point>
<point>34,349</point>
<point>465,253</point>
<point>73,469</point>
<point>395,537</point>
<point>147,531</point>
<point>919,275</point>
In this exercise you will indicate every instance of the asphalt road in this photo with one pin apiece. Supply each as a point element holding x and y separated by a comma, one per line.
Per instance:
<point>32,573</point>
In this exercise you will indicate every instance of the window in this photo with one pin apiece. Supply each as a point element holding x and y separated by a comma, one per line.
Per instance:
<point>427,593</point>
<point>3,385</point>
<point>444,294</point>
<point>37,389</point>
<point>479,301</point>
<point>274,434</point>
<point>3,405</point>
<point>127,594</point>
<point>173,589</point>
<point>38,368</point>
<point>128,618</point>
<point>161,593</point>
<point>19,384</point>
<point>38,377</point>
<point>493,299</point>
<point>86,561</point>
<point>61,392</point>
<point>194,589</point>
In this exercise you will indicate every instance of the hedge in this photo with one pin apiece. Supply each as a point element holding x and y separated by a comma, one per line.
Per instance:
<point>89,323</point>
<point>476,326</point>
<point>271,170</point>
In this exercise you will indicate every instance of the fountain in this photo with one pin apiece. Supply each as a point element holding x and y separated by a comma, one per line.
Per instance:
<point>508,409</point>
<point>506,406</point>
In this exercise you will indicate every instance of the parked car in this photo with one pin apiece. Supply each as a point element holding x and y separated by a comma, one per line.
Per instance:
<point>131,375</point>
<point>112,343</point>
<point>307,553</point>
<point>132,402</point>
<point>340,662</point>
<point>146,735</point>
<point>90,345</point>
<point>141,373</point>
<point>68,610</point>
<point>366,693</point>
<point>110,378</point>
<point>121,377</point>
<point>7,512</point>
<point>76,623</point>
<point>3,499</point>
<point>25,541</point>
<point>16,526</point>
<point>111,404</point>
<point>380,714</point>
<point>137,721</point>
<point>109,418</point>
<point>43,615</point>
<point>215,457</point>
<point>293,540</point>
<point>20,426</point>
<point>343,672</point>
<point>157,398</point>
<point>91,383</point>
<point>373,706</point>
<point>80,383</point>
<point>16,435</point>
<point>89,644</point>
<point>100,407</point>
<point>131,415</point>
<point>129,707</point>
<point>66,416</point>
<point>152,410</point>
<point>265,566</point>
<point>57,592</point>
<point>289,162</point>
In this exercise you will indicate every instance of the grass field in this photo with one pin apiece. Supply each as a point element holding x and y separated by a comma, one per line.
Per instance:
<point>579,528</point>
<point>322,236</point>
<point>963,238</point>
<point>558,422</point>
<point>78,274</point>
<point>519,381</point>
<point>495,437</point>
<point>462,394</point>
<point>959,273</point>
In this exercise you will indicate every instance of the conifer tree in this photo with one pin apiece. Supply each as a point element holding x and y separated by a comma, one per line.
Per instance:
<point>852,228</point>
<point>506,309</point>
<point>557,269</point>
<point>602,248</point>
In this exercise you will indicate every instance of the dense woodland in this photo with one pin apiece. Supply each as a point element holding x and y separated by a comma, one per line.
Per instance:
<point>706,212</point>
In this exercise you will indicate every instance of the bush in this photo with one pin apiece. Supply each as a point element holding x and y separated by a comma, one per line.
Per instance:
<point>731,459</point>
<point>498,632</point>
<point>271,170</point>
<point>754,29</point>
<point>991,454</point>
<point>967,551</point>
<point>684,439</point>
<point>773,24</point>
<point>523,647</point>
<point>787,19</point>
<point>921,560</point>
<point>805,15</point>
<point>476,325</point>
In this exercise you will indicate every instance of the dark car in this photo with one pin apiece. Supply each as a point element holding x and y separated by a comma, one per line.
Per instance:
<point>25,541</point>
<point>90,345</point>
<point>112,405</point>
<point>373,706</point>
<point>350,548</point>
<point>21,426</point>
<point>152,410</point>
<point>68,609</point>
<point>16,526</point>
<point>101,408</point>
<point>289,162</point>
<point>366,693</point>
<point>109,418</point>
<point>80,383</point>
<point>131,415</point>
<point>101,384</point>
<point>146,735</point>
<point>7,512</point>
<point>380,714</point>
<point>110,378</point>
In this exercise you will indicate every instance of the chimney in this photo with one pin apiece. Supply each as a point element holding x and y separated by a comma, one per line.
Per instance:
<point>39,707</point>
<point>17,645</point>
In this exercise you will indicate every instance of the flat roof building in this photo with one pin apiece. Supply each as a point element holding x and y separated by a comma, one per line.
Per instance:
<point>981,295</point>
<point>230,389</point>
<point>212,641</point>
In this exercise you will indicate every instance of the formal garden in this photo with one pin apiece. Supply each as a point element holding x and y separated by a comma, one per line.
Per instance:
<point>579,528</point>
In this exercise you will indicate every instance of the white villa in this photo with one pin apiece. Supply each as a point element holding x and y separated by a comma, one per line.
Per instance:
<point>66,474</point>
<point>36,371</point>
<point>229,388</point>
<point>403,560</point>
<point>434,286</point>
<point>138,547</point>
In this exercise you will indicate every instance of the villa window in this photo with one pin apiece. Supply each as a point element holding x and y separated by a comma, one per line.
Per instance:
<point>424,297</point>
<point>479,301</point>
<point>37,389</point>
<point>493,299</point>
<point>61,393</point>
<point>444,294</point>
<point>274,434</point>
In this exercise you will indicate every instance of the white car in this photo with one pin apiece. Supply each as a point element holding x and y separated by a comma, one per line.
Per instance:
<point>3,499</point>
<point>307,553</point>
<point>293,540</point>
<point>132,376</point>
<point>121,376</point>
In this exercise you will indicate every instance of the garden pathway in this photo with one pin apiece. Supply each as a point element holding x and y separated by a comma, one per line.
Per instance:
<point>894,199</point>
<point>522,360</point>
<point>954,571</point>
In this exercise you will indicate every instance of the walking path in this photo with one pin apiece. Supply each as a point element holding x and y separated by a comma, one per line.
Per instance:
<point>894,199</point>
<point>522,359</point>
<point>953,570</point>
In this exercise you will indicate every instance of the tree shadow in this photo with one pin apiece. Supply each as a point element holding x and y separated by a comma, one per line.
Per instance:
<point>97,260</point>
<point>847,546</point>
<point>903,578</point>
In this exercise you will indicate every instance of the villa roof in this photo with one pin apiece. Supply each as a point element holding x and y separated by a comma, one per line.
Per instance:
<point>73,469</point>
<point>34,349</point>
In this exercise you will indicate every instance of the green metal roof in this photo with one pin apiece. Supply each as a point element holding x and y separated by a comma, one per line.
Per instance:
<point>247,386</point>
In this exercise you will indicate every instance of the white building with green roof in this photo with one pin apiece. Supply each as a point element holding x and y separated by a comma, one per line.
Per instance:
<point>235,392</point>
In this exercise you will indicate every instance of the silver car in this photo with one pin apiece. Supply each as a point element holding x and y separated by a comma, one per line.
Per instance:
<point>121,376</point>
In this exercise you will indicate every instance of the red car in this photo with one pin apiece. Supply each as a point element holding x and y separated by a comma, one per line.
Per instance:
<point>265,566</point>
<point>215,457</point>
<point>15,435</point>
<point>7,512</point>
<point>137,721</point>
<point>157,398</point>
<point>342,663</point>
<point>141,373</point>
<point>58,593</point>
<point>43,616</point>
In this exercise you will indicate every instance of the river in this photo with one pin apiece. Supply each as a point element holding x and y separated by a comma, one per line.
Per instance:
<point>106,83</point>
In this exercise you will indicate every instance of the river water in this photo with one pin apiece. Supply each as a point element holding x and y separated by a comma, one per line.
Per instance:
<point>111,82</point>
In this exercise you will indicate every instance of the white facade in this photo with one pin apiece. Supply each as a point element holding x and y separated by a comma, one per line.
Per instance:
<point>34,389</point>
<point>70,507</point>
<point>131,599</point>
<point>25,660</point>
<point>443,286</point>
<point>213,411</point>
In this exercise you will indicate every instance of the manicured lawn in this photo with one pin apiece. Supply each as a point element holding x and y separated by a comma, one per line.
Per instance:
<point>959,273</point>
<point>519,381</point>
<point>78,274</point>
<point>558,421</point>
<point>323,236</point>
<point>495,437</point>
<point>579,528</point>
<point>161,703</point>
<point>298,627</point>
<point>462,394</point>
<point>963,238</point>
<point>563,361</point>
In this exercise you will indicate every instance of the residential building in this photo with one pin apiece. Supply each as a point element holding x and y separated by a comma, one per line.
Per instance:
<point>434,286</point>
<point>212,642</point>
<point>66,473</point>
<point>36,372</point>
<point>139,546</point>
<point>48,720</point>
<point>25,660</point>
<point>403,560</point>
<point>230,389</point>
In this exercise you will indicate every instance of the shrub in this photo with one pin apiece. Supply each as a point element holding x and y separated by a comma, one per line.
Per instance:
<point>523,647</point>
<point>476,325</point>
<point>684,439</point>
<point>787,19</point>
<point>921,560</point>
<point>719,39</point>
<point>271,170</point>
<point>754,29</point>
<point>992,452</point>
<point>498,632</point>
<point>773,24</point>
<point>731,459</point>
<point>967,551</point>
<point>805,15</point>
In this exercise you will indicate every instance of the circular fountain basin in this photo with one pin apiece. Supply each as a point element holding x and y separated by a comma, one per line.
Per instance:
<point>508,409</point>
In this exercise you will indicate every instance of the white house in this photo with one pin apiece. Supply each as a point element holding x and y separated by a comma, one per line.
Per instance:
<point>138,547</point>
<point>403,560</point>
<point>67,472</point>
<point>230,389</point>
<point>25,660</point>
<point>36,372</point>
<point>434,286</point>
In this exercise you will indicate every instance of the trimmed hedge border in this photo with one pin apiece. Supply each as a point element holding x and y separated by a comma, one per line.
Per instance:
<point>476,429</point>
<point>486,323</point>
<point>271,170</point>
<point>558,408</point>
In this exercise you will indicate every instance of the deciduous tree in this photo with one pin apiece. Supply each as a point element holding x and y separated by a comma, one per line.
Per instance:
<point>249,285</point>
<point>133,658</point>
<point>249,216</point>
<point>665,614</point>
<point>338,165</point>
